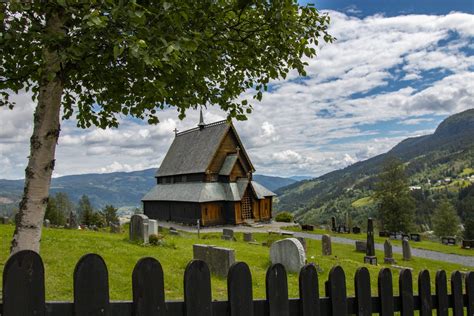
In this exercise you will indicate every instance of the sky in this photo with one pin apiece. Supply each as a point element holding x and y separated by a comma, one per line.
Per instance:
<point>396,70</point>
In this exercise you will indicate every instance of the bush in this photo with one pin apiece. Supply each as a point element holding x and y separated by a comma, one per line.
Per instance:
<point>155,240</point>
<point>285,217</point>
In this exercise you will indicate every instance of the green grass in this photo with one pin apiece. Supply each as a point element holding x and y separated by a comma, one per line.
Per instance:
<point>61,249</point>
<point>467,172</point>
<point>424,244</point>
<point>365,201</point>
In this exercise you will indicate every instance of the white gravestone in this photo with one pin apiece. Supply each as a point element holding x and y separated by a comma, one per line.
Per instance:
<point>289,252</point>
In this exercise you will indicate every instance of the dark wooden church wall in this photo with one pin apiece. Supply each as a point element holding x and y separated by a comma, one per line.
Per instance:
<point>182,212</point>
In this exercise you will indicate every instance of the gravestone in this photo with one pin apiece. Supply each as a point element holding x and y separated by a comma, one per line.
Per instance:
<point>4,220</point>
<point>72,220</point>
<point>467,244</point>
<point>228,234</point>
<point>115,228</point>
<point>450,241</point>
<point>46,223</point>
<point>341,229</point>
<point>361,246</point>
<point>405,236</point>
<point>303,243</point>
<point>218,259</point>
<point>356,230</point>
<point>326,245</point>
<point>388,252</point>
<point>333,224</point>
<point>306,227</point>
<point>406,250</point>
<point>137,230</point>
<point>393,235</point>
<point>289,252</point>
<point>152,227</point>
<point>248,237</point>
<point>415,237</point>
<point>370,257</point>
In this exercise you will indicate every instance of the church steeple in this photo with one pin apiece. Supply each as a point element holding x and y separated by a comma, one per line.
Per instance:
<point>201,120</point>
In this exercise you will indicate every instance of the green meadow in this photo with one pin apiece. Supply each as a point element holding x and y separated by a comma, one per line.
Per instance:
<point>61,249</point>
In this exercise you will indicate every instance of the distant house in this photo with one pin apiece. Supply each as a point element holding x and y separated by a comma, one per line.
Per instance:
<point>207,175</point>
<point>414,187</point>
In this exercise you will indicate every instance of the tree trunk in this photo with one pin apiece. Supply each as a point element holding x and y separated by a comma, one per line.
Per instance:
<point>29,219</point>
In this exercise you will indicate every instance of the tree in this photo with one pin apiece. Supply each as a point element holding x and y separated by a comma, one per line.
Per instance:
<point>85,211</point>
<point>445,220</point>
<point>110,214</point>
<point>105,59</point>
<point>53,213</point>
<point>64,204</point>
<point>394,201</point>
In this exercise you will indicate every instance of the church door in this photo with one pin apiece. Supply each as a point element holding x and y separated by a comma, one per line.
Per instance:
<point>246,206</point>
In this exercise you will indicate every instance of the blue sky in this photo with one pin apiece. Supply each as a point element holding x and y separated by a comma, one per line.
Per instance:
<point>397,69</point>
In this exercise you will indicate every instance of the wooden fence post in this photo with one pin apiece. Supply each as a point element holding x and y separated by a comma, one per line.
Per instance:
<point>385,287</point>
<point>470,293</point>
<point>456,293</point>
<point>362,292</point>
<point>309,291</point>
<point>148,288</point>
<point>197,289</point>
<point>239,290</point>
<point>405,283</point>
<point>442,308</point>
<point>91,286</point>
<point>424,291</point>
<point>277,291</point>
<point>337,291</point>
<point>23,285</point>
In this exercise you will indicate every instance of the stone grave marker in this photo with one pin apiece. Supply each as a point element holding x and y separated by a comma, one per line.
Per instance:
<point>333,224</point>
<point>46,223</point>
<point>405,236</point>
<point>361,246</point>
<point>138,231</point>
<point>406,250</point>
<point>248,237</point>
<point>415,237</point>
<point>289,252</point>
<point>467,244</point>
<point>392,236</point>
<point>228,234</point>
<point>356,230</point>
<point>152,227</point>
<point>303,243</point>
<point>388,252</point>
<point>326,245</point>
<point>218,259</point>
<point>306,227</point>
<point>370,257</point>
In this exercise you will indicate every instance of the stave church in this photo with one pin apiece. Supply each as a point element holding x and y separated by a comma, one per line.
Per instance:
<point>206,175</point>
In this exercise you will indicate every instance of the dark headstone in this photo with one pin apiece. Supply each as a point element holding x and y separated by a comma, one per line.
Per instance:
<point>388,252</point>
<point>415,237</point>
<point>356,230</point>
<point>370,253</point>
<point>326,245</point>
<point>333,224</point>
<point>406,250</point>
<point>138,231</point>
<point>228,234</point>
<point>248,237</point>
<point>450,241</point>
<point>218,259</point>
<point>467,244</point>
<point>361,246</point>
<point>306,227</point>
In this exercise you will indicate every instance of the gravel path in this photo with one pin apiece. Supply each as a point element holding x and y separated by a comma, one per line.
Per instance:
<point>416,252</point>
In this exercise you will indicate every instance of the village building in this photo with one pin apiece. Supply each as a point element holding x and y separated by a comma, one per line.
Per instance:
<point>207,175</point>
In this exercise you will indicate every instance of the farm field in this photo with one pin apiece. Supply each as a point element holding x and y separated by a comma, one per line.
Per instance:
<point>424,244</point>
<point>61,249</point>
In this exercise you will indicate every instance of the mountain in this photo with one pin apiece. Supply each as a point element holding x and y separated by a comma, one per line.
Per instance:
<point>273,183</point>
<point>445,153</point>
<point>301,178</point>
<point>121,189</point>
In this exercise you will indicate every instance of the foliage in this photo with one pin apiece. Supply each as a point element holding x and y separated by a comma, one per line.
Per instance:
<point>469,228</point>
<point>135,58</point>
<point>109,213</point>
<point>286,217</point>
<point>85,210</point>
<point>154,239</point>
<point>395,204</point>
<point>54,213</point>
<point>445,220</point>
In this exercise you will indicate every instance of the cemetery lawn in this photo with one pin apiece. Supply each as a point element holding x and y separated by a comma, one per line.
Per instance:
<point>61,249</point>
<point>423,244</point>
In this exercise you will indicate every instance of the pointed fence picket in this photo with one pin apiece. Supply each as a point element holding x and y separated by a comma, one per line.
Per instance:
<point>23,292</point>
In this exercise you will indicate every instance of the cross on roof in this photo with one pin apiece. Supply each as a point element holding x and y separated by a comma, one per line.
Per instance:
<point>175,131</point>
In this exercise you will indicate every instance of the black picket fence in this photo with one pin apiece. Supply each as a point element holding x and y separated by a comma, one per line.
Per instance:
<point>24,292</point>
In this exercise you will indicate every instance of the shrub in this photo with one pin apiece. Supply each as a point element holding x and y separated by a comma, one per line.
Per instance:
<point>285,217</point>
<point>155,240</point>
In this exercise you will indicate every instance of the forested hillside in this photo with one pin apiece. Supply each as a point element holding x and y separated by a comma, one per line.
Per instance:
<point>430,160</point>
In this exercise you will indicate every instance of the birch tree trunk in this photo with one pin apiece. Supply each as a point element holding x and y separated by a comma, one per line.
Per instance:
<point>29,219</point>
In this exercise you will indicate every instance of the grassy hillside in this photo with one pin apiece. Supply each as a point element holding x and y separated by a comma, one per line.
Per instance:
<point>449,152</point>
<point>61,249</point>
